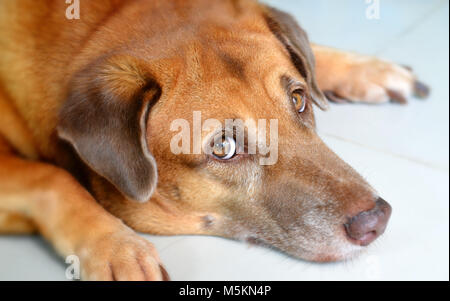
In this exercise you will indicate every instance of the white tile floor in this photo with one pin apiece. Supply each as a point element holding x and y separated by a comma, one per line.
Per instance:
<point>402,151</point>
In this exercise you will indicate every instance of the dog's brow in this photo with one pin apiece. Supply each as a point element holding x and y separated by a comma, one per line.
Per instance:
<point>234,65</point>
<point>288,83</point>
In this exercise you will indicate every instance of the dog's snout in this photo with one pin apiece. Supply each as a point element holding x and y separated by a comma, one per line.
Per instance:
<point>365,227</point>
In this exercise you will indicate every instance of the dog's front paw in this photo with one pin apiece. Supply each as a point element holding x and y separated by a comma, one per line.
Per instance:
<point>121,256</point>
<point>375,81</point>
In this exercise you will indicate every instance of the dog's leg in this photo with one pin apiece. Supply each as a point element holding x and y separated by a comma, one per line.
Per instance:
<point>345,76</point>
<point>68,216</point>
<point>11,223</point>
<point>13,128</point>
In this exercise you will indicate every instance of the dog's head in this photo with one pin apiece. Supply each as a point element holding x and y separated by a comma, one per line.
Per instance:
<point>150,115</point>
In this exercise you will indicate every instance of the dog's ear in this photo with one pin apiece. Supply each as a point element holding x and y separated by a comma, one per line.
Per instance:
<point>296,41</point>
<point>104,119</point>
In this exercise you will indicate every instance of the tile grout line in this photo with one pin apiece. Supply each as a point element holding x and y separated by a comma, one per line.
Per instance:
<point>395,155</point>
<point>412,27</point>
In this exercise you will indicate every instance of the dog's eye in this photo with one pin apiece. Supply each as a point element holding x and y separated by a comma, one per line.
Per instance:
<point>299,100</point>
<point>225,149</point>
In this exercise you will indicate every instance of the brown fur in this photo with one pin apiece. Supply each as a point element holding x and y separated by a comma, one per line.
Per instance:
<point>88,103</point>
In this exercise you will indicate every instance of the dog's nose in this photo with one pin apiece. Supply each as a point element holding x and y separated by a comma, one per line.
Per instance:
<point>365,227</point>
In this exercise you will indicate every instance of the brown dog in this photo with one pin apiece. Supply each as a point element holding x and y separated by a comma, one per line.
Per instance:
<point>86,107</point>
